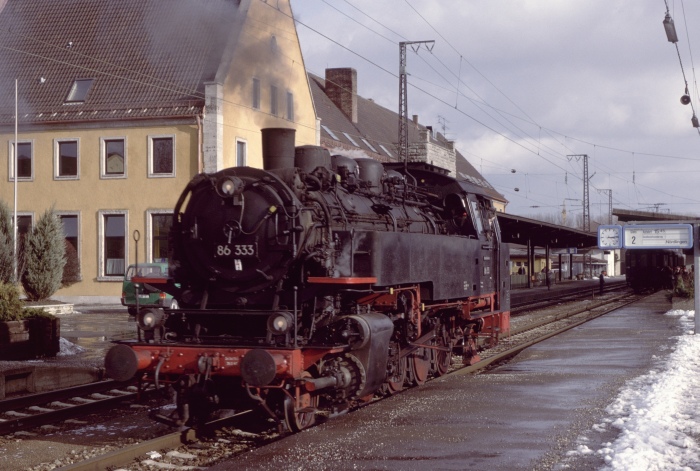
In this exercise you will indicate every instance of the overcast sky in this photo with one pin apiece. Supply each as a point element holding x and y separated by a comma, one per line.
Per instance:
<point>524,85</point>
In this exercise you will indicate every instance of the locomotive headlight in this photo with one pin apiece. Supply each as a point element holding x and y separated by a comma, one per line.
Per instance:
<point>279,323</point>
<point>230,186</point>
<point>149,319</point>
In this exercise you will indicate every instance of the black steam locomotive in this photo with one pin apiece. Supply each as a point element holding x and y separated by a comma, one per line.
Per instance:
<point>313,284</point>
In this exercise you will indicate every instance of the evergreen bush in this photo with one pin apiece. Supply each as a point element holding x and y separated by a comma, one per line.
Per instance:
<point>10,305</point>
<point>6,245</point>
<point>45,257</point>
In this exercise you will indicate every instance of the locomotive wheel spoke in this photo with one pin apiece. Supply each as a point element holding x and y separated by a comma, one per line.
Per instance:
<point>395,382</point>
<point>419,363</point>
<point>443,359</point>
<point>303,416</point>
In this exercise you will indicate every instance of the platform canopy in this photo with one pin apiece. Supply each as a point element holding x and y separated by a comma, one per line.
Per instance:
<point>518,230</point>
<point>626,215</point>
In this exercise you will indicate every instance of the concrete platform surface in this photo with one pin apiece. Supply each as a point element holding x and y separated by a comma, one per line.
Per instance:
<point>524,415</point>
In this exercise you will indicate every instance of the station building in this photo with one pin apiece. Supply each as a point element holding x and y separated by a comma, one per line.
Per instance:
<point>121,103</point>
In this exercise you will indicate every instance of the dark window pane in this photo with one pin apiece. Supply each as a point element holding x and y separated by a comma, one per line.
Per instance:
<point>163,155</point>
<point>24,160</point>
<point>290,106</point>
<point>161,229</point>
<point>79,90</point>
<point>68,159</point>
<point>256,94</point>
<point>273,100</point>
<point>114,244</point>
<point>24,225</point>
<point>240,153</point>
<point>114,157</point>
<point>70,226</point>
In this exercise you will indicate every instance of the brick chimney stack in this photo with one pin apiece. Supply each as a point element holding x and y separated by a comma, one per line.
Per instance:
<point>341,88</point>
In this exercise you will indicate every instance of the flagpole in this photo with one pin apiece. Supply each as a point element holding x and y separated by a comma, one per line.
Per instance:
<point>14,223</point>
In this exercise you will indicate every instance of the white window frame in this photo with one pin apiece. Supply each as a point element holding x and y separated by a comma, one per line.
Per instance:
<point>11,160</point>
<point>149,228</point>
<point>150,156</point>
<point>56,159</point>
<point>103,157</point>
<point>80,239</point>
<point>245,157</point>
<point>101,243</point>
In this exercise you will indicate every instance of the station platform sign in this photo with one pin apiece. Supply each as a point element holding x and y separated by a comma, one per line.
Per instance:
<point>646,236</point>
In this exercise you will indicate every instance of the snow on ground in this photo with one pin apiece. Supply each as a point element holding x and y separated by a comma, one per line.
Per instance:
<point>69,348</point>
<point>657,414</point>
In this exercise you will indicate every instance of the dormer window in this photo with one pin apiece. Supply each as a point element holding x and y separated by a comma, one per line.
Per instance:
<point>79,90</point>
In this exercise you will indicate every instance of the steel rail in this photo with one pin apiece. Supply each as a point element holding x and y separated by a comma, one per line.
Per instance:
<point>22,402</point>
<point>58,415</point>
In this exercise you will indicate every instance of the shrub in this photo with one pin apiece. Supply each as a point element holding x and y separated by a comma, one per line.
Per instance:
<point>45,257</point>
<point>6,245</point>
<point>10,305</point>
<point>12,308</point>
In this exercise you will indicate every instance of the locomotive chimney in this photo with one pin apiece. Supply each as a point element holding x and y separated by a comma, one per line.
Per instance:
<point>341,88</point>
<point>278,148</point>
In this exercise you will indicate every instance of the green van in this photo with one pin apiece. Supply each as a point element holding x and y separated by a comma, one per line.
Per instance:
<point>148,295</point>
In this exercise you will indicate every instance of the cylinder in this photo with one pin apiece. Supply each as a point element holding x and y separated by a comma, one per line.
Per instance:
<point>278,148</point>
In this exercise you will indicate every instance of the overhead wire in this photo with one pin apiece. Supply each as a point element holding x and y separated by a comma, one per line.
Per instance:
<point>530,120</point>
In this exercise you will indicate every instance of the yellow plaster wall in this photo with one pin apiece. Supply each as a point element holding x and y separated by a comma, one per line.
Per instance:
<point>89,194</point>
<point>255,57</point>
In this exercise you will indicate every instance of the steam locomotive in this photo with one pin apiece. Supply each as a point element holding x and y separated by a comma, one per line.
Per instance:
<point>311,285</point>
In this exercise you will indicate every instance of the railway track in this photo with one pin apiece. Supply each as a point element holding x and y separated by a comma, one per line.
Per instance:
<point>527,330</point>
<point>27,412</point>
<point>573,294</point>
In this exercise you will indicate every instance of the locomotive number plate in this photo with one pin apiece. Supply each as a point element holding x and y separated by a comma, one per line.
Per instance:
<point>236,250</point>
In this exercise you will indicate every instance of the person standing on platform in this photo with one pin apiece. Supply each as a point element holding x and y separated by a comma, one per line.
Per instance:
<point>602,281</point>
